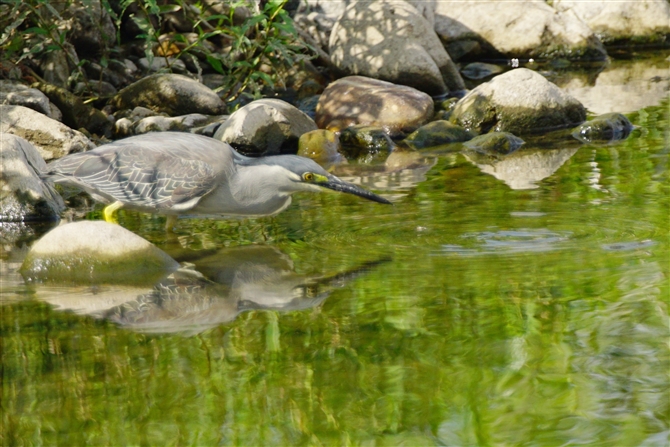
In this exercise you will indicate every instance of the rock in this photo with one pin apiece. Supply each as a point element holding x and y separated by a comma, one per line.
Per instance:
<point>98,88</point>
<point>92,29</point>
<point>24,197</point>
<point>529,29</point>
<point>320,145</point>
<point>76,113</point>
<point>437,133</point>
<point>604,128</point>
<point>161,63</point>
<point>178,123</point>
<point>494,143</point>
<point>641,21</point>
<point>58,65</point>
<point>51,138</point>
<point>95,252</point>
<point>392,41</point>
<point>519,101</point>
<point>366,144</point>
<point>119,73</point>
<point>522,169</point>
<point>265,127</point>
<point>15,93</point>
<point>358,100</point>
<point>170,93</point>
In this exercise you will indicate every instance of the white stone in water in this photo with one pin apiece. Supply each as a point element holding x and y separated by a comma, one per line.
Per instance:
<point>96,251</point>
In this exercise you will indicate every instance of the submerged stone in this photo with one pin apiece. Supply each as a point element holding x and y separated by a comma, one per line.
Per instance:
<point>437,133</point>
<point>495,143</point>
<point>603,128</point>
<point>365,143</point>
<point>95,252</point>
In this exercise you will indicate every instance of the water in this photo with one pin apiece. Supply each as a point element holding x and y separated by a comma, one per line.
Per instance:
<point>514,302</point>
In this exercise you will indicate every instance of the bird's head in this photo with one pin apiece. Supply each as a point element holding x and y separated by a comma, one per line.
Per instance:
<point>305,174</point>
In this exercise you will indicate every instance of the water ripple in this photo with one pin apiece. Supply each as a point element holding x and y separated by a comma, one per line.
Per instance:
<point>510,241</point>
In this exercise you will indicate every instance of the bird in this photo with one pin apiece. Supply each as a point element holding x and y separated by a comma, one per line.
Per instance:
<point>176,173</point>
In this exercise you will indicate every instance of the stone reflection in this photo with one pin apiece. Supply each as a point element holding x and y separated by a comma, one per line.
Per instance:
<point>623,87</point>
<point>524,168</point>
<point>209,290</point>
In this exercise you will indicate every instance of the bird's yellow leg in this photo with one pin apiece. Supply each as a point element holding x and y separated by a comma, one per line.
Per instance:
<point>109,212</point>
<point>170,223</point>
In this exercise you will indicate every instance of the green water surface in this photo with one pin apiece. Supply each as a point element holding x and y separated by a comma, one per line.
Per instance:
<point>469,313</point>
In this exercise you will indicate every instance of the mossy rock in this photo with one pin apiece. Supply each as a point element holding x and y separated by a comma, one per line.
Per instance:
<point>437,133</point>
<point>604,128</point>
<point>320,145</point>
<point>365,144</point>
<point>495,143</point>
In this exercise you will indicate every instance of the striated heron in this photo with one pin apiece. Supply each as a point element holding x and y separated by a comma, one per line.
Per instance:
<point>173,173</point>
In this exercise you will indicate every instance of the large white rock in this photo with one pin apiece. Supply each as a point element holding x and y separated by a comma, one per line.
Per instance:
<point>265,127</point>
<point>393,41</point>
<point>23,195</point>
<point>51,138</point>
<point>612,21</point>
<point>519,101</point>
<point>96,252</point>
<point>522,29</point>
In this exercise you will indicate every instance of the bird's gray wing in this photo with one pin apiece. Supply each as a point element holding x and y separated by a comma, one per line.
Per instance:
<point>142,177</point>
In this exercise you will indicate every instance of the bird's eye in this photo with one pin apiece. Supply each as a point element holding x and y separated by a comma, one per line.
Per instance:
<point>308,176</point>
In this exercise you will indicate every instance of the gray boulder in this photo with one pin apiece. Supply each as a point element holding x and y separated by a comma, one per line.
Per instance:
<point>24,197</point>
<point>177,123</point>
<point>641,21</point>
<point>265,127</point>
<point>393,41</point>
<point>51,138</point>
<point>528,29</point>
<point>357,100</point>
<point>96,252</point>
<point>519,101</point>
<point>172,94</point>
<point>15,93</point>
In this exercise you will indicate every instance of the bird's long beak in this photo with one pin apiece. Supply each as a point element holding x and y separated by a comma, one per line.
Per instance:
<point>336,184</point>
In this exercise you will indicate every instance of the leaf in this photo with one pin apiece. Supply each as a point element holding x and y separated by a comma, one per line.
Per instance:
<point>215,63</point>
